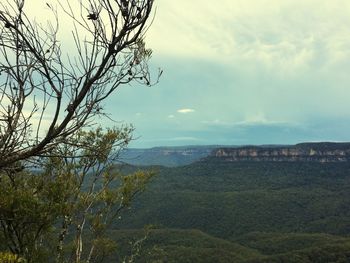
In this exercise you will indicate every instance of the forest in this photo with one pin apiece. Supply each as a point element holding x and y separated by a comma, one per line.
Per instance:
<point>250,211</point>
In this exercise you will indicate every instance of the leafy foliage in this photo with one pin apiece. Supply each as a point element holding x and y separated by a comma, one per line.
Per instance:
<point>52,212</point>
<point>6,257</point>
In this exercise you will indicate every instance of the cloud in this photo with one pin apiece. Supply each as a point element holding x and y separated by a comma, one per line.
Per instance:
<point>185,111</point>
<point>184,139</point>
<point>217,122</point>
<point>171,116</point>
<point>286,36</point>
<point>256,120</point>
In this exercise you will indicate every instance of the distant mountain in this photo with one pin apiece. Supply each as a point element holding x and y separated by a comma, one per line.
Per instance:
<point>184,155</point>
<point>166,156</point>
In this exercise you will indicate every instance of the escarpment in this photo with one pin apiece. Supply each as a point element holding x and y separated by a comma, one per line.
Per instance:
<point>308,152</point>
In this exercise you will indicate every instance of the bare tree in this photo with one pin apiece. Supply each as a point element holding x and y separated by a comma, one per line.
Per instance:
<point>46,95</point>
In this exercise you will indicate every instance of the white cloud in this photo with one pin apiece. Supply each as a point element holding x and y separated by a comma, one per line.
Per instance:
<point>171,116</point>
<point>259,119</point>
<point>185,111</point>
<point>286,36</point>
<point>172,139</point>
<point>217,122</point>
<point>184,139</point>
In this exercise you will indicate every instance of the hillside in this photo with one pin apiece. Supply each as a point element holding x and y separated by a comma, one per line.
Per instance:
<point>246,197</point>
<point>175,245</point>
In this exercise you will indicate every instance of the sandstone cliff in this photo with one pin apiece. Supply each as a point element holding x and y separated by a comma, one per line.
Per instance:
<point>311,152</point>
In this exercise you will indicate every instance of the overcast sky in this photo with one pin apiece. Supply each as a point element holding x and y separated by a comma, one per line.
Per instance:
<point>243,72</point>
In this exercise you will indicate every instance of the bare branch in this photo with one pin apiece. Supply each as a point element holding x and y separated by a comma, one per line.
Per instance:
<point>46,98</point>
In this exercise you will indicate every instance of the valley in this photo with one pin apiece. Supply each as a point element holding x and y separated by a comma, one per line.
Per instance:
<point>264,211</point>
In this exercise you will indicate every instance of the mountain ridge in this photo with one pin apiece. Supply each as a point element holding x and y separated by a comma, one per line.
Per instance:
<point>310,152</point>
<point>172,156</point>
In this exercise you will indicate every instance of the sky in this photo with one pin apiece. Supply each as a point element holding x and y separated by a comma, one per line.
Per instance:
<point>243,72</point>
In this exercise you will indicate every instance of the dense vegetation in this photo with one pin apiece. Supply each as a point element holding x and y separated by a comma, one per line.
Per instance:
<point>249,212</point>
<point>272,211</point>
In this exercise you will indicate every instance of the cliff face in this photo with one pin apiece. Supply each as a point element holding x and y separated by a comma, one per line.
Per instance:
<point>309,152</point>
